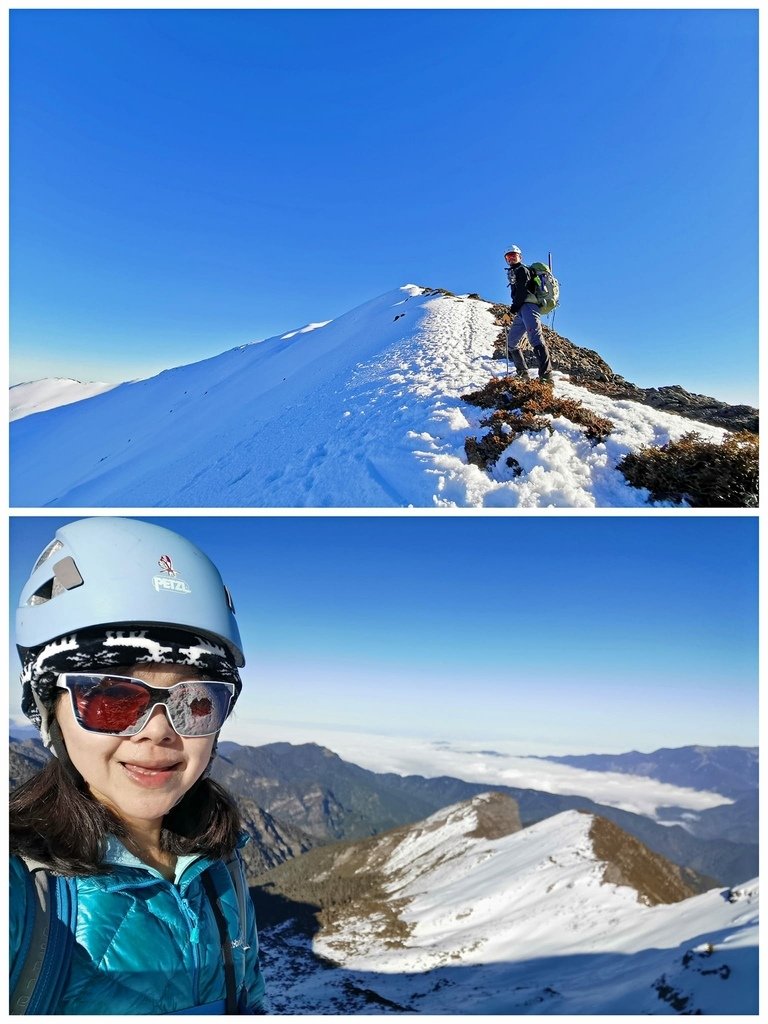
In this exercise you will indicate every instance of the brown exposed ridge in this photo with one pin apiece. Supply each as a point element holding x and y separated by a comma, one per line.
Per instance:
<point>498,815</point>
<point>629,862</point>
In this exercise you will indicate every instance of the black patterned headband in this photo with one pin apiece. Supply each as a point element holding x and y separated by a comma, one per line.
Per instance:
<point>103,650</point>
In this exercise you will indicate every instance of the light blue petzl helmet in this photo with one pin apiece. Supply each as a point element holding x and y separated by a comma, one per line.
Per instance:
<point>513,248</point>
<point>114,572</point>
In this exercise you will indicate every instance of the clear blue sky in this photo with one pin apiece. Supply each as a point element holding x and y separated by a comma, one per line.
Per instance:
<point>185,181</point>
<point>605,633</point>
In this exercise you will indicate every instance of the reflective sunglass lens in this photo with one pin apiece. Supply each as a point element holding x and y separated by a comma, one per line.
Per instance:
<point>198,709</point>
<point>113,709</point>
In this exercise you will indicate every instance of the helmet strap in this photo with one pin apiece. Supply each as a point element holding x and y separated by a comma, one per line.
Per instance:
<point>211,759</point>
<point>59,748</point>
<point>47,717</point>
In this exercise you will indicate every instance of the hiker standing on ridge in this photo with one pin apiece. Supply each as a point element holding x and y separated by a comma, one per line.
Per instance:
<point>128,892</point>
<point>527,317</point>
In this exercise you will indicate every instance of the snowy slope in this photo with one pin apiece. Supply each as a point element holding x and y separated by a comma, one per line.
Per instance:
<point>526,923</point>
<point>49,393</point>
<point>364,410</point>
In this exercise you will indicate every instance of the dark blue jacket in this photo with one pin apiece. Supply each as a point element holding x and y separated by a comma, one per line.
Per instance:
<point>519,278</point>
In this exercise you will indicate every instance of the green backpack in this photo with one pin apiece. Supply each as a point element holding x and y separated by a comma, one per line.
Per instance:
<point>544,286</point>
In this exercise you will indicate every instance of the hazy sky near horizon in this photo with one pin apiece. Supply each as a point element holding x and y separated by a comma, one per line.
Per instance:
<point>547,634</point>
<point>186,181</point>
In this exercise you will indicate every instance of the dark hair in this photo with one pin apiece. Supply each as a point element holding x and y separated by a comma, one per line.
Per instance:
<point>55,820</point>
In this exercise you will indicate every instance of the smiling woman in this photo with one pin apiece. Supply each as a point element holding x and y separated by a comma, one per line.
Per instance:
<point>129,683</point>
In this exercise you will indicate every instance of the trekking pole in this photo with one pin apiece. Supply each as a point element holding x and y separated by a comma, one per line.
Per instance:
<point>552,318</point>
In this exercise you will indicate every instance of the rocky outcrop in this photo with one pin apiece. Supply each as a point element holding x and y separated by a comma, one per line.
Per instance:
<point>674,398</point>
<point>498,815</point>
<point>587,369</point>
<point>629,862</point>
<point>272,841</point>
<point>25,759</point>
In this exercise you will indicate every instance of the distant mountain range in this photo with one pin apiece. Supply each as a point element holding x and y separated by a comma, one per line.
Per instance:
<point>468,912</point>
<point>296,797</point>
<point>732,771</point>
<point>25,758</point>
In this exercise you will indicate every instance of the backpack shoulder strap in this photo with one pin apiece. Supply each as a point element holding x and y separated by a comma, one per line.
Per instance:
<point>39,976</point>
<point>236,870</point>
<point>230,985</point>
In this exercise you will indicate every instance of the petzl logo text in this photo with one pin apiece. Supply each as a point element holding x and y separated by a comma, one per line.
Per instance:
<point>177,586</point>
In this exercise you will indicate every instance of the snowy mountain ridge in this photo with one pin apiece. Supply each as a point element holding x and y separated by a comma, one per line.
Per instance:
<point>364,410</point>
<point>476,915</point>
<point>50,393</point>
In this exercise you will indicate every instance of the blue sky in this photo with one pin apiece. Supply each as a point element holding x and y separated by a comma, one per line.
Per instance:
<point>185,181</point>
<point>564,633</point>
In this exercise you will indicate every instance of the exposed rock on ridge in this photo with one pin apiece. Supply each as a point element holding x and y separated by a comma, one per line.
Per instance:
<point>628,862</point>
<point>587,369</point>
<point>497,815</point>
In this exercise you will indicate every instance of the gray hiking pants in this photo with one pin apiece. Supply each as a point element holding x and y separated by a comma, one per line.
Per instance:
<point>527,321</point>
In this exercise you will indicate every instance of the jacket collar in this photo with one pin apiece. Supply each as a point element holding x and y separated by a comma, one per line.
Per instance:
<point>116,854</point>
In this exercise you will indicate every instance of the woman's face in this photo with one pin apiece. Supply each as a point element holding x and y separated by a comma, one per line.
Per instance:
<point>138,777</point>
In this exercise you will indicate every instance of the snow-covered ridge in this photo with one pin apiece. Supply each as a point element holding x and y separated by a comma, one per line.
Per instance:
<point>50,393</point>
<point>529,922</point>
<point>465,890</point>
<point>365,410</point>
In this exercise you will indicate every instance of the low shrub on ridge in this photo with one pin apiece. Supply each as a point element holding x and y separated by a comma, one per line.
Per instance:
<point>702,473</point>
<point>522,405</point>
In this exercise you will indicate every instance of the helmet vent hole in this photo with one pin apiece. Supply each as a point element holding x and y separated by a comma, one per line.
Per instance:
<point>51,549</point>
<point>66,577</point>
<point>42,594</point>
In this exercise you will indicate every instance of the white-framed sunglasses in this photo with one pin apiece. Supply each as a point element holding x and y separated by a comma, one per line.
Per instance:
<point>121,705</point>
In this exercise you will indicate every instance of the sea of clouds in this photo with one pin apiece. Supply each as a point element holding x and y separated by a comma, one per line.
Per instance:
<point>495,764</point>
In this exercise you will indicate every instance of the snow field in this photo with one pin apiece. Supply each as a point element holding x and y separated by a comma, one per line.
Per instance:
<point>525,924</point>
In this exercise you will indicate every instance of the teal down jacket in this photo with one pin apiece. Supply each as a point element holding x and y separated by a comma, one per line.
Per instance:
<point>146,945</point>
